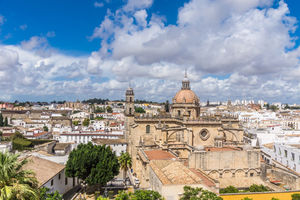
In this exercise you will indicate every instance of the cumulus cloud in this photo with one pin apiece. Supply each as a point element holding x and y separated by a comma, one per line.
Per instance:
<point>133,5</point>
<point>249,40</point>
<point>231,49</point>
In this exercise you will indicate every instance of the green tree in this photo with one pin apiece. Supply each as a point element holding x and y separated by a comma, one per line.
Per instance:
<point>17,134</point>
<point>273,108</point>
<point>139,110</point>
<point>258,188</point>
<point>15,182</point>
<point>102,198</point>
<point>99,110</point>
<point>96,165</point>
<point>229,189</point>
<point>147,195</point>
<point>139,195</point>
<point>75,123</point>
<point>125,163</point>
<point>45,195</point>
<point>45,128</point>
<point>86,122</point>
<point>273,198</point>
<point>109,109</point>
<point>295,196</point>
<point>5,123</point>
<point>1,120</point>
<point>246,198</point>
<point>122,195</point>
<point>198,194</point>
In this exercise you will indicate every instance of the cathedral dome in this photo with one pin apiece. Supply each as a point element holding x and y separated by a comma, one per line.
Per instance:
<point>185,96</point>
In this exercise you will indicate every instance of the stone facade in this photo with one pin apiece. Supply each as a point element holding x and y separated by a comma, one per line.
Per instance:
<point>183,132</point>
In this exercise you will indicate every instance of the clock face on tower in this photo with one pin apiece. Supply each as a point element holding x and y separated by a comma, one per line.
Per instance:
<point>204,134</point>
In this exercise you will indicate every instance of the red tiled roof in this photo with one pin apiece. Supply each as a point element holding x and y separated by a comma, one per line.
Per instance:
<point>40,134</point>
<point>205,180</point>
<point>159,155</point>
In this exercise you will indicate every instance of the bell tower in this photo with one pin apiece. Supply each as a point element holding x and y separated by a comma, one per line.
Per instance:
<point>129,106</point>
<point>185,82</point>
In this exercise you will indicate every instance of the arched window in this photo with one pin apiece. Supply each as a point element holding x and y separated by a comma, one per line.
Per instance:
<point>148,129</point>
<point>178,112</point>
<point>130,99</point>
<point>130,110</point>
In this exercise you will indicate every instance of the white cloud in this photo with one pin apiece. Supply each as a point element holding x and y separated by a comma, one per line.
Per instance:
<point>23,27</point>
<point>133,5</point>
<point>231,49</point>
<point>51,34</point>
<point>98,4</point>
<point>2,19</point>
<point>141,17</point>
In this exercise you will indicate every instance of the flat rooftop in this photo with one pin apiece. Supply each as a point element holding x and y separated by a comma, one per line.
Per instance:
<point>221,149</point>
<point>159,155</point>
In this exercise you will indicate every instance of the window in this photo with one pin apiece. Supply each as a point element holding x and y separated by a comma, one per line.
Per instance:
<point>189,113</point>
<point>59,176</point>
<point>130,99</point>
<point>204,134</point>
<point>148,129</point>
<point>178,112</point>
<point>285,153</point>
<point>293,156</point>
<point>130,110</point>
<point>251,174</point>
<point>66,181</point>
<point>52,182</point>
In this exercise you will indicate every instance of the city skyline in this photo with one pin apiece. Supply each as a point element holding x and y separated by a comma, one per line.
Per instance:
<point>70,50</point>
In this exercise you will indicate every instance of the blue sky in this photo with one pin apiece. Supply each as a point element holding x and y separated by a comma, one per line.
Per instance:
<point>71,21</point>
<point>72,50</point>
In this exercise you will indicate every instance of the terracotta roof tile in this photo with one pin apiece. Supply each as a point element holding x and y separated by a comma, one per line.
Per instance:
<point>174,172</point>
<point>44,169</point>
<point>159,155</point>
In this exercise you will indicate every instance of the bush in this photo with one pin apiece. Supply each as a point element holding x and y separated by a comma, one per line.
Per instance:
<point>258,188</point>
<point>139,110</point>
<point>229,189</point>
<point>21,144</point>
<point>295,196</point>
<point>139,195</point>
<point>39,141</point>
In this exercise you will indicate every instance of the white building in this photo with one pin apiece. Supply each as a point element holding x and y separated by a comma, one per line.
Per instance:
<point>80,115</point>
<point>86,136</point>
<point>50,174</point>
<point>285,151</point>
<point>118,146</point>
<point>5,146</point>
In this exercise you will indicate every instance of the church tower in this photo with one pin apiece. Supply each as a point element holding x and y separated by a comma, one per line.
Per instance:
<point>129,98</point>
<point>129,118</point>
<point>185,82</point>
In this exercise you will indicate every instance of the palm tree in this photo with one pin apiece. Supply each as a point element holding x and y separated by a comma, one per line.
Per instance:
<point>15,182</point>
<point>125,163</point>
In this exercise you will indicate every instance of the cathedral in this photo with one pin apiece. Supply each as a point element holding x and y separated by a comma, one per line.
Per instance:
<point>190,136</point>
